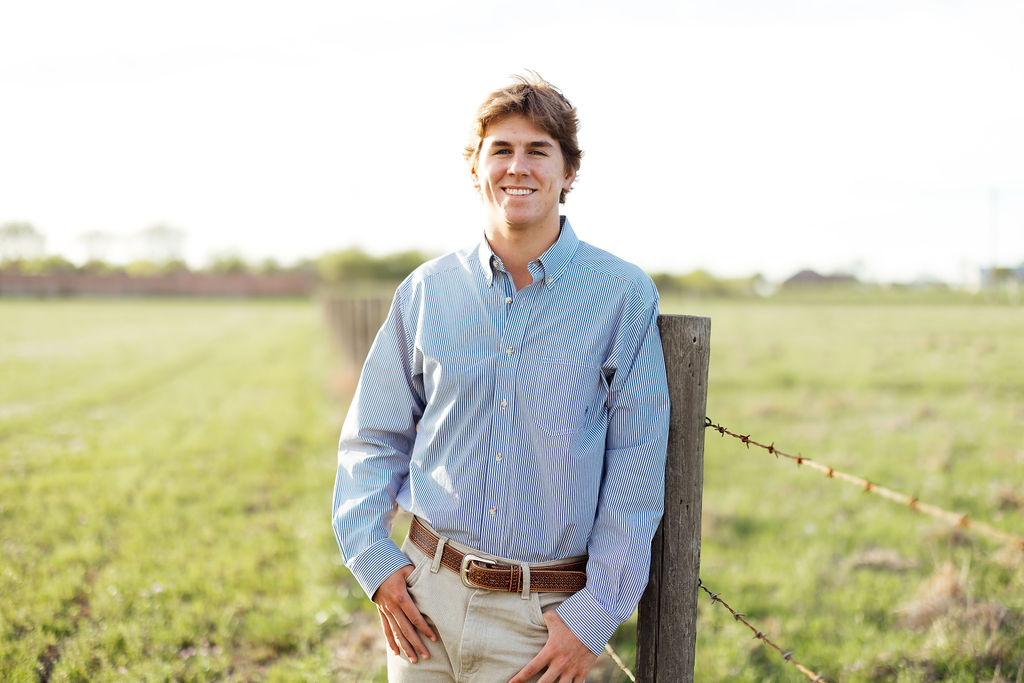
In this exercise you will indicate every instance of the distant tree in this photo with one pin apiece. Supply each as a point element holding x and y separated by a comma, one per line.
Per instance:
<point>161,244</point>
<point>49,265</point>
<point>269,266</point>
<point>354,264</point>
<point>97,267</point>
<point>143,268</point>
<point>21,240</point>
<point>348,264</point>
<point>703,283</point>
<point>175,266</point>
<point>228,264</point>
<point>397,266</point>
<point>97,244</point>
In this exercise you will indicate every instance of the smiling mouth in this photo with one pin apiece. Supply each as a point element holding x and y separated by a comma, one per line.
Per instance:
<point>518,191</point>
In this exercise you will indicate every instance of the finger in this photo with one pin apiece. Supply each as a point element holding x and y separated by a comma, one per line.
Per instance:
<point>550,677</point>
<point>533,668</point>
<point>386,627</point>
<point>402,606</point>
<point>400,638</point>
<point>410,633</point>
<point>413,614</point>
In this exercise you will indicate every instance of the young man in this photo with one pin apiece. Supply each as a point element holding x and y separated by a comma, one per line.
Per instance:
<point>515,402</point>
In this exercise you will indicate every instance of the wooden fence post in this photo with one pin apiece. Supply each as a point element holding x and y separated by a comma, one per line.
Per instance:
<point>353,323</point>
<point>667,626</point>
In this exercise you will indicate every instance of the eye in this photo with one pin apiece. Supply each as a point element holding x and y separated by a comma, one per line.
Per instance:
<point>502,151</point>
<point>538,152</point>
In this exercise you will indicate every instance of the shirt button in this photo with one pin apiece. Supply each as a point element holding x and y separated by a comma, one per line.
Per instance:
<point>549,280</point>
<point>508,299</point>
<point>494,511</point>
<point>510,351</point>
<point>503,403</point>
<point>498,457</point>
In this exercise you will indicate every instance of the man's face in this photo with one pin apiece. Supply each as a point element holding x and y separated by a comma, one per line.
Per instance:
<point>520,174</point>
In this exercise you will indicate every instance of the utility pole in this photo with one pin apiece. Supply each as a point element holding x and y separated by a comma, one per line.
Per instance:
<point>993,202</point>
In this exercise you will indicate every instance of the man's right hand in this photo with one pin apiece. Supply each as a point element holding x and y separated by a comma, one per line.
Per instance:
<point>400,618</point>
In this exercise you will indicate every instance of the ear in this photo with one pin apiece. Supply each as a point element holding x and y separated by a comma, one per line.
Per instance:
<point>475,179</point>
<point>570,178</point>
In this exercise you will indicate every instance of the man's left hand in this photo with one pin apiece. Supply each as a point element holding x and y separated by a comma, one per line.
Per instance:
<point>565,657</point>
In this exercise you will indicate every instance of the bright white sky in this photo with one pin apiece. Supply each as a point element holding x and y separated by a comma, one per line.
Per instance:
<point>739,136</point>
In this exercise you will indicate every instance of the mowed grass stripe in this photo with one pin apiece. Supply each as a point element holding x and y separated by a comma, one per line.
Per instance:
<point>94,356</point>
<point>172,523</point>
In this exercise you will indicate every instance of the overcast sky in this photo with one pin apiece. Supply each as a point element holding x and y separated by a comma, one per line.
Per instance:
<point>884,137</point>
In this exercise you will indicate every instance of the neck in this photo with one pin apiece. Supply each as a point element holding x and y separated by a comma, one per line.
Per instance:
<point>517,247</point>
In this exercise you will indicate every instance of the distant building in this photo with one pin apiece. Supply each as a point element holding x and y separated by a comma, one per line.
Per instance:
<point>999,277</point>
<point>806,278</point>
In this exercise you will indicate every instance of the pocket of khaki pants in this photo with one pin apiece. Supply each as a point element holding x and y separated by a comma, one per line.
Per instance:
<point>419,561</point>
<point>417,573</point>
<point>543,602</point>
<point>536,613</point>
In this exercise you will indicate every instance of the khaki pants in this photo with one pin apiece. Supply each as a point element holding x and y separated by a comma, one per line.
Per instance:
<point>483,636</point>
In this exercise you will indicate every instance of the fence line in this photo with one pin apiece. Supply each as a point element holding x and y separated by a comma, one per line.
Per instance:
<point>953,518</point>
<point>353,323</point>
<point>618,661</point>
<point>758,634</point>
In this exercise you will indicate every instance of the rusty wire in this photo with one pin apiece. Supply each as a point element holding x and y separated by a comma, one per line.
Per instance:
<point>615,658</point>
<point>953,518</point>
<point>787,655</point>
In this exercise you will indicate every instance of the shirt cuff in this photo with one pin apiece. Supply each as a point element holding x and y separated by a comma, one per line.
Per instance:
<point>376,563</point>
<point>588,620</point>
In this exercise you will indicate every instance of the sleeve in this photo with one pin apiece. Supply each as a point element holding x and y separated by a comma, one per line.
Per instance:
<point>374,451</point>
<point>632,495</point>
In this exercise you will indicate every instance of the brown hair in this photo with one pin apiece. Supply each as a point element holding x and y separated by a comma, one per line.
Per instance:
<point>539,101</point>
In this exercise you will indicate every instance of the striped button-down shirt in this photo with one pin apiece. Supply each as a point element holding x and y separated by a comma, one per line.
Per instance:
<point>530,424</point>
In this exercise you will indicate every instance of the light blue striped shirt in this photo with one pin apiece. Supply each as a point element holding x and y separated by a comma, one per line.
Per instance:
<point>530,424</point>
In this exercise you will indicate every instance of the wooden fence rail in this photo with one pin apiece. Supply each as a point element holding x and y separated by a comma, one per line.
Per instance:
<point>667,627</point>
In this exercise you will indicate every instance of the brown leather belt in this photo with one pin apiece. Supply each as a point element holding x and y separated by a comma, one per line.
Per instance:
<point>480,572</point>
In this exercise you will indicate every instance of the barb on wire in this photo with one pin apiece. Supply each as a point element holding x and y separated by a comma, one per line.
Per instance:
<point>617,660</point>
<point>953,518</point>
<point>787,655</point>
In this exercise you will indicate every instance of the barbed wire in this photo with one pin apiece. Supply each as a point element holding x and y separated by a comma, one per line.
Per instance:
<point>787,655</point>
<point>953,518</point>
<point>617,660</point>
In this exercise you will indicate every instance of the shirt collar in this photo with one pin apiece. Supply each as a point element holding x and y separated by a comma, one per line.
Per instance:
<point>554,261</point>
<point>558,256</point>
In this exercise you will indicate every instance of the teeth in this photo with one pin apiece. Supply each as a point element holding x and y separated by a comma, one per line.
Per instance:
<point>517,191</point>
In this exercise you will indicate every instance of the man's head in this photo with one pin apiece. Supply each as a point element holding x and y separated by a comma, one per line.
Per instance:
<point>543,104</point>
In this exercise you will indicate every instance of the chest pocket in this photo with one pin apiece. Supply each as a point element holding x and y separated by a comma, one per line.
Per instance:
<point>569,390</point>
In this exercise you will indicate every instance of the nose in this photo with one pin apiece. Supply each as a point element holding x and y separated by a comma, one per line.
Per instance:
<point>518,164</point>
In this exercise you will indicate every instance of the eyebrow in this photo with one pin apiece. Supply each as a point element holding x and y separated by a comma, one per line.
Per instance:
<point>537,144</point>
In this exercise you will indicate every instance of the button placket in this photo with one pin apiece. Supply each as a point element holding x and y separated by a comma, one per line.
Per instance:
<point>514,313</point>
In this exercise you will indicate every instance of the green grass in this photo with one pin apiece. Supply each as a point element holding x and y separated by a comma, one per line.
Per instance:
<point>925,399</point>
<point>166,467</point>
<point>165,472</point>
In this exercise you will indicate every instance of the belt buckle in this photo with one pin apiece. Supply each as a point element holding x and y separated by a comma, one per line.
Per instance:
<point>466,559</point>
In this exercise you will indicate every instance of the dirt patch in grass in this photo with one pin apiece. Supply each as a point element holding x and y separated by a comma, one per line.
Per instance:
<point>885,559</point>
<point>959,629</point>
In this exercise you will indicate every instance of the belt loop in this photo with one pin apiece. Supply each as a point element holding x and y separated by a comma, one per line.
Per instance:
<point>436,564</point>
<point>526,580</point>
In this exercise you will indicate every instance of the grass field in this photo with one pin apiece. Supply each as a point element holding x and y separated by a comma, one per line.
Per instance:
<point>166,467</point>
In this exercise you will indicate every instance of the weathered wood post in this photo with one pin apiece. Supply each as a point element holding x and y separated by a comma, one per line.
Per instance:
<point>353,323</point>
<point>667,626</point>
